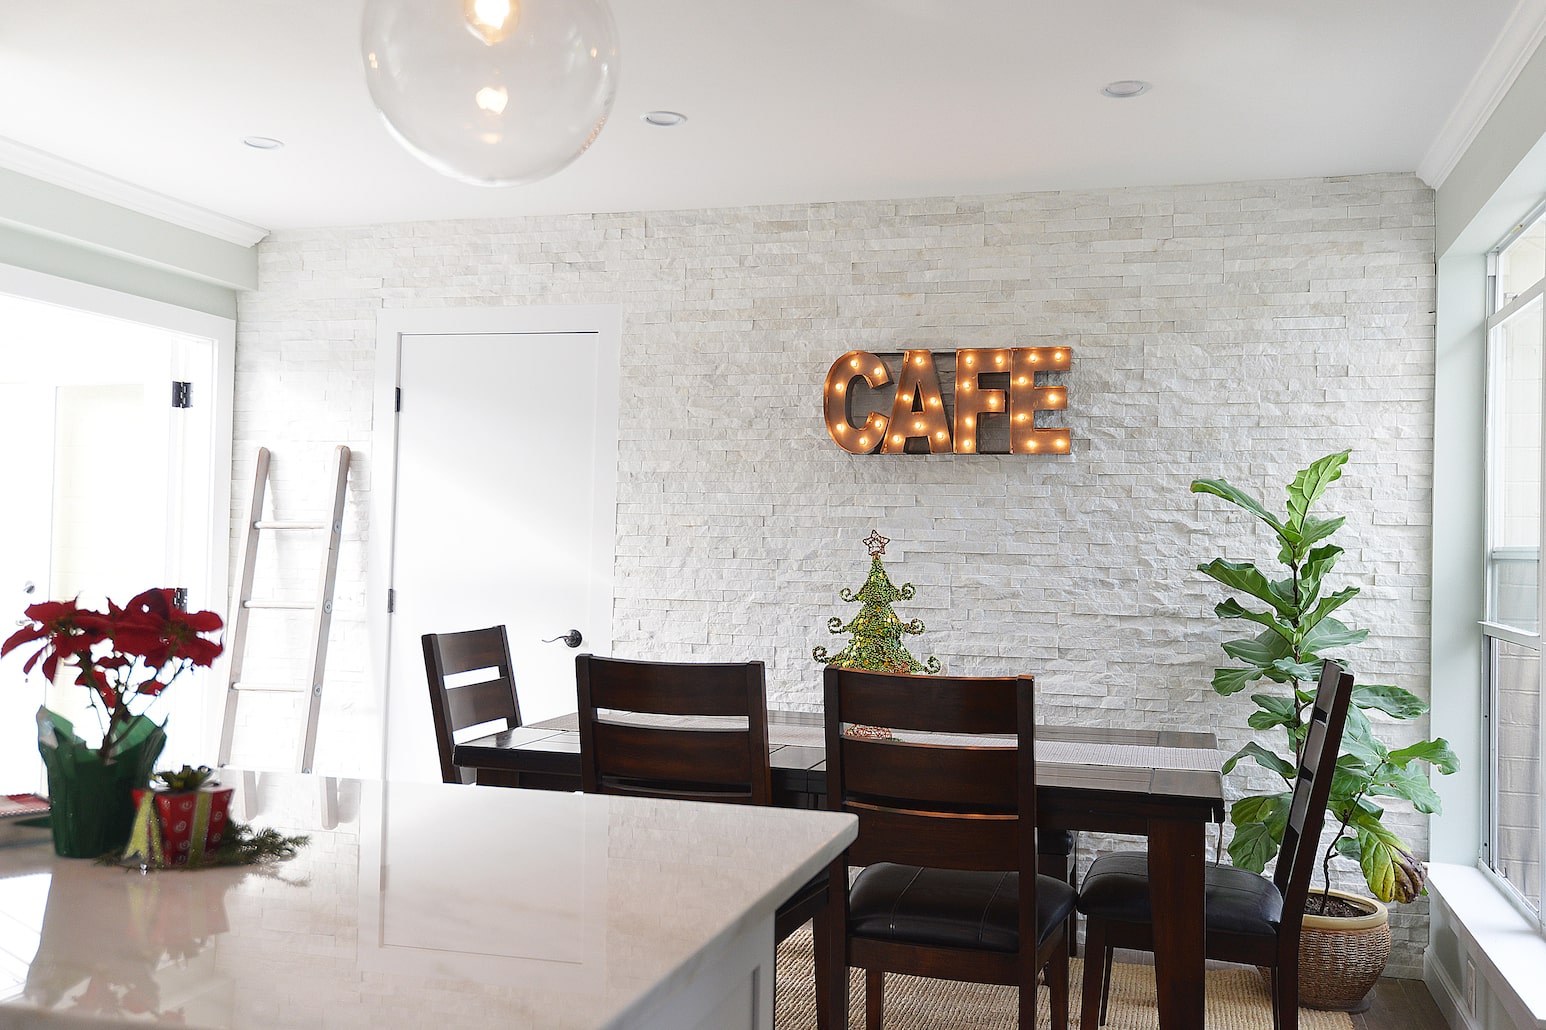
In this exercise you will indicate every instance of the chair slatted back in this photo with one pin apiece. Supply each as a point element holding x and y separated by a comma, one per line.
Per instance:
<point>1312,787</point>
<point>695,731</point>
<point>923,798</point>
<point>490,699</point>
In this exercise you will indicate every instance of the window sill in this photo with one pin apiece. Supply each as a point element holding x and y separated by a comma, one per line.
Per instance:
<point>1496,967</point>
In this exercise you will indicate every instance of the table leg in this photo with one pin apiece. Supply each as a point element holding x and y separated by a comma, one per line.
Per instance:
<point>1176,870</point>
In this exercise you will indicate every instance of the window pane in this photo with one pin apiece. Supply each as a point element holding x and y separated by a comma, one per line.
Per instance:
<point>1523,263</point>
<point>1514,514</point>
<point>1516,846</point>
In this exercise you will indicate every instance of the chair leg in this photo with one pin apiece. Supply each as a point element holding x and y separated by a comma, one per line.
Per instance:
<point>1093,990</point>
<point>1285,980</point>
<point>1057,987</point>
<point>874,999</point>
<point>1105,980</point>
<point>821,962</point>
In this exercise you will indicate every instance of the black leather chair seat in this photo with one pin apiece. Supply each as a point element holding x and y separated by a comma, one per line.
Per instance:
<point>926,906</point>
<point>1235,900</point>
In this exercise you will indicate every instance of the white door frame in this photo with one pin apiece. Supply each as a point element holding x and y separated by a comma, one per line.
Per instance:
<point>200,697</point>
<point>392,324</point>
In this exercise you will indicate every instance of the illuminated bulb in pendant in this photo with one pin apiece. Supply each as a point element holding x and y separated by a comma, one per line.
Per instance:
<point>490,20</point>
<point>492,99</point>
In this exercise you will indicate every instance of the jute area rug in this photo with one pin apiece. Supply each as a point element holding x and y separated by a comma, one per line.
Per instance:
<point>1237,1000</point>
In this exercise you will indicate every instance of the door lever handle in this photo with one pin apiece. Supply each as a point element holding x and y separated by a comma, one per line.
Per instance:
<point>572,638</point>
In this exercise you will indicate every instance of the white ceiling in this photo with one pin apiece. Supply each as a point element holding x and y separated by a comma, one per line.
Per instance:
<point>788,101</point>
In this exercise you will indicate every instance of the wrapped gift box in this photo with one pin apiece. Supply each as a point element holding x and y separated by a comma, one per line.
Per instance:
<point>188,824</point>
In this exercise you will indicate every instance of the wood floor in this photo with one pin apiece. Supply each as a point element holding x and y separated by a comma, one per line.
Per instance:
<point>1400,1005</point>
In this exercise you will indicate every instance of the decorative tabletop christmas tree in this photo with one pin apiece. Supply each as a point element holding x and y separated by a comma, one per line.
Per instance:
<point>876,631</point>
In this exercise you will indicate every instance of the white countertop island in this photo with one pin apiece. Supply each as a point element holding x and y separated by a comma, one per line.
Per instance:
<point>422,905</point>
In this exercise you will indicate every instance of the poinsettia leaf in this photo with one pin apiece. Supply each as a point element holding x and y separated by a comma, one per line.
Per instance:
<point>1394,701</point>
<point>1436,753</point>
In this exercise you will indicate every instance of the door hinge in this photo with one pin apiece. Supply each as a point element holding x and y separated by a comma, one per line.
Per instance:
<point>399,398</point>
<point>180,598</point>
<point>181,394</point>
<point>391,600</point>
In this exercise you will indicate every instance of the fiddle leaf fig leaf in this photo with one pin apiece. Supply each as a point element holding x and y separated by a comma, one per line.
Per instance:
<point>1264,758</point>
<point>1275,711</point>
<point>1329,633</point>
<point>1436,753</point>
<point>1317,564</point>
<point>1314,529</point>
<point>1358,740</point>
<point>1392,871</point>
<point>1232,681</point>
<point>1393,701</point>
<point>1229,608</point>
<point>1411,785</point>
<point>1310,483</point>
<point>1259,821</point>
<point>1327,605</point>
<point>1239,498</point>
<point>1261,650</point>
<point>1246,577</point>
<point>1348,847</point>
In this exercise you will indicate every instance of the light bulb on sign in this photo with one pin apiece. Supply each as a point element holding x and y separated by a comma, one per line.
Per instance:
<point>542,74</point>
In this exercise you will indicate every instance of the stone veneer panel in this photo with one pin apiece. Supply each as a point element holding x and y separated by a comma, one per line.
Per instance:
<point>1237,330</point>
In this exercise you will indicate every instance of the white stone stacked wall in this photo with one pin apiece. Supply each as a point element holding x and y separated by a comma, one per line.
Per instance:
<point>1237,330</point>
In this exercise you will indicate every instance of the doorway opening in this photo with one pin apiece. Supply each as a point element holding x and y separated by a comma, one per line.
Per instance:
<point>109,487</point>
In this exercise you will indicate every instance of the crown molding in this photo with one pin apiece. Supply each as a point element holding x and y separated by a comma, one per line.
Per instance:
<point>26,160</point>
<point>1515,45</point>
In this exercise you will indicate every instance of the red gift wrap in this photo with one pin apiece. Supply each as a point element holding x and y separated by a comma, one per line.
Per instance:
<point>191,823</point>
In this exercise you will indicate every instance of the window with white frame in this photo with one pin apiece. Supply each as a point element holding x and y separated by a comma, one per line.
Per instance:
<point>1515,841</point>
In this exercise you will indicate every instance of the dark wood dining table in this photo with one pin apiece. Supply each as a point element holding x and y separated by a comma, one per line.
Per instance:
<point>1160,784</point>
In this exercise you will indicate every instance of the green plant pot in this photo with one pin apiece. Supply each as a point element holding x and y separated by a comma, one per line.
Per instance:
<point>91,798</point>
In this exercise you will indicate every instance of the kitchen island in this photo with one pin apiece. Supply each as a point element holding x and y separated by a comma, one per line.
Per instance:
<point>419,905</point>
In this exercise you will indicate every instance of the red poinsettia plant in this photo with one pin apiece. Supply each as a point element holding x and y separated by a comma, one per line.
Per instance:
<point>122,655</point>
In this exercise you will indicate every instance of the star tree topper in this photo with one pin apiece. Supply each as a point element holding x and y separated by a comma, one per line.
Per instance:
<point>875,632</point>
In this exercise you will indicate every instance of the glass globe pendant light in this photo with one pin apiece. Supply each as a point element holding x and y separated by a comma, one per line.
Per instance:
<point>492,92</point>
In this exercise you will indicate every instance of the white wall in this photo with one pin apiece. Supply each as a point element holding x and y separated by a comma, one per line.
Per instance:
<point>1236,329</point>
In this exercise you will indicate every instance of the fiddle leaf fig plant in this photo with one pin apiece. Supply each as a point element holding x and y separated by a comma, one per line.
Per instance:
<point>1282,662</point>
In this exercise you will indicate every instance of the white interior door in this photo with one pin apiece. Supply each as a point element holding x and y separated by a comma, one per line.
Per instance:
<point>504,514</point>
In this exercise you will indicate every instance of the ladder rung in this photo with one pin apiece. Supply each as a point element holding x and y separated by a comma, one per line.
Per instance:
<point>267,524</point>
<point>291,605</point>
<point>270,688</point>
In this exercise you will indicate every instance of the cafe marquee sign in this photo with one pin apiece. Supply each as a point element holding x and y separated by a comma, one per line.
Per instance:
<point>993,397</point>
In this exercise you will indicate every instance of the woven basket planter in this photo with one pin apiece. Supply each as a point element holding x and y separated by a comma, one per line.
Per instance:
<point>1340,958</point>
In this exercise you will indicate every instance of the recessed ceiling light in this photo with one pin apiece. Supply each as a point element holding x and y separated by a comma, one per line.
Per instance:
<point>664,119</point>
<point>1125,88</point>
<point>263,142</point>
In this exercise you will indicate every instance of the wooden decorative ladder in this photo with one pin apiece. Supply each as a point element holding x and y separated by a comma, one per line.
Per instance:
<point>321,607</point>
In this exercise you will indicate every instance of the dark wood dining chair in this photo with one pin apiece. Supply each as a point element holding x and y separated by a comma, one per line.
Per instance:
<point>490,698</point>
<point>705,739</point>
<point>1248,918</point>
<point>947,839</point>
